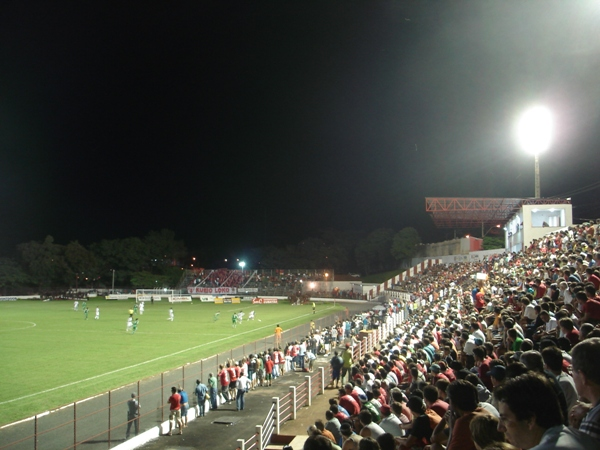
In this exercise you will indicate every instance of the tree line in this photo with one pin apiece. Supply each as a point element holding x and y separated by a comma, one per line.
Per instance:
<point>157,259</point>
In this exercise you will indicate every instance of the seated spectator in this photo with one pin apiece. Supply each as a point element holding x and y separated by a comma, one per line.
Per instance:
<point>553,361</point>
<point>333,425</point>
<point>369,443</point>
<point>464,407</point>
<point>349,437</point>
<point>347,402</point>
<point>484,431</point>
<point>586,375</point>
<point>420,433</point>
<point>387,442</point>
<point>328,434</point>
<point>317,441</point>
<point>430,394</point>
<point>389,422</point>
<point>369,428</point>
<point>530,416</point>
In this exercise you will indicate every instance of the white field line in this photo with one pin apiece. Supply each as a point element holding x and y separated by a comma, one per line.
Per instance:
<point>33,324</point>
<point>95,377</point>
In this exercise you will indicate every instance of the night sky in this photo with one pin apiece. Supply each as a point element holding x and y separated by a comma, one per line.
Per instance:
<point>241,124</point>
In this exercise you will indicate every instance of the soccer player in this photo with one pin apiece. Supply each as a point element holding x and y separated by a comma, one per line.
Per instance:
<point>314,308</point>
<point>75,305</point>
<point>135,325</point>
<point>84,304</point>
<point>131,313</point>
<point>234,320</point>
<point>240,317</point>
<point>86,310</point>
<point>171,314</point>
<point>216,317</point>
<point>142,308</point>
<point>251,315</point>
<point>97,313</point>
<point>135,308</point>
<point>129,324</point>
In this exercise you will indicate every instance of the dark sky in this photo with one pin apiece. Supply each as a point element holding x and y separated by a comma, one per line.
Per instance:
<point>243,123</point>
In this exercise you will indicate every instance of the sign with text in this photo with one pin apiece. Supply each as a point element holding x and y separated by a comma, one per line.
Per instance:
<point>262,301</point>
<point>211,290</point>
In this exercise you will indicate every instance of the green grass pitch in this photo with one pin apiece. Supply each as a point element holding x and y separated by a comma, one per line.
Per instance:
<point>52,356</point>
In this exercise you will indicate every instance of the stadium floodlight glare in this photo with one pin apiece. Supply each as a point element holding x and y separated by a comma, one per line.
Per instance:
<point>242,265</point>
<point>534,132</point>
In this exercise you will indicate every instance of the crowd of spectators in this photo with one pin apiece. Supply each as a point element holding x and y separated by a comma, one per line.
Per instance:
<point>504,353</point>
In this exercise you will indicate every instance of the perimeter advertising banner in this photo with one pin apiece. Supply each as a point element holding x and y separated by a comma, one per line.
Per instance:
<point>212,291</point>
<point>262,301</point>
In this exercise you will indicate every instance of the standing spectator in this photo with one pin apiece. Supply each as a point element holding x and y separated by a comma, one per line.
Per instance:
<point>269,365</point>
<point>278,331</point>
<point>348,359</point>
<point>175,411</point>
<point>133,415</point>
<point>336,364</point>
<point>184,406</point>
<point>200,391</point>
<point>302,354</point>
<point>530,416</point>
<point>224,382</point>
<point>586,375</point>
<point>233,377</point>
<point>242,386</point>
<point>212,391</point>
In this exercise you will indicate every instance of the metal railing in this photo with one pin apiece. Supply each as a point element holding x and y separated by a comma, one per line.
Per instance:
<point>285,408</point>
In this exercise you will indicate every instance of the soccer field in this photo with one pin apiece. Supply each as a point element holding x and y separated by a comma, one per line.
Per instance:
<point>52,356</point>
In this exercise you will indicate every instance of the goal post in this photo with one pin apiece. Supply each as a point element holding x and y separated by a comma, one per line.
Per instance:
<point>147,295</point>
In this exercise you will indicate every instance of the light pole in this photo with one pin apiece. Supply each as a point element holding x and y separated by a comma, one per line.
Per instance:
<point>534,132</point>
<point>242,265</point>
<point>113,282</point>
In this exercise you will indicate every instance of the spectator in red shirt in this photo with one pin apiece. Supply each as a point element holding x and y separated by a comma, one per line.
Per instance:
<point>269,364</point>
<point>175,411</point>
<point>464,406</point>
<point>224,382</point>
<point>482,362</point>
<point>430,393</point>
<point>593,278</point>
<point>436,374</point>
<point>568,330</point>
<point>348,402</point>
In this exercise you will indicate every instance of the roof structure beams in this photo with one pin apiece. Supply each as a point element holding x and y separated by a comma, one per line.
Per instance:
<point>460,212</point>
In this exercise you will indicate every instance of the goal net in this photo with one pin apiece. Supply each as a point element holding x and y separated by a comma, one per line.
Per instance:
<point>147,295</point>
